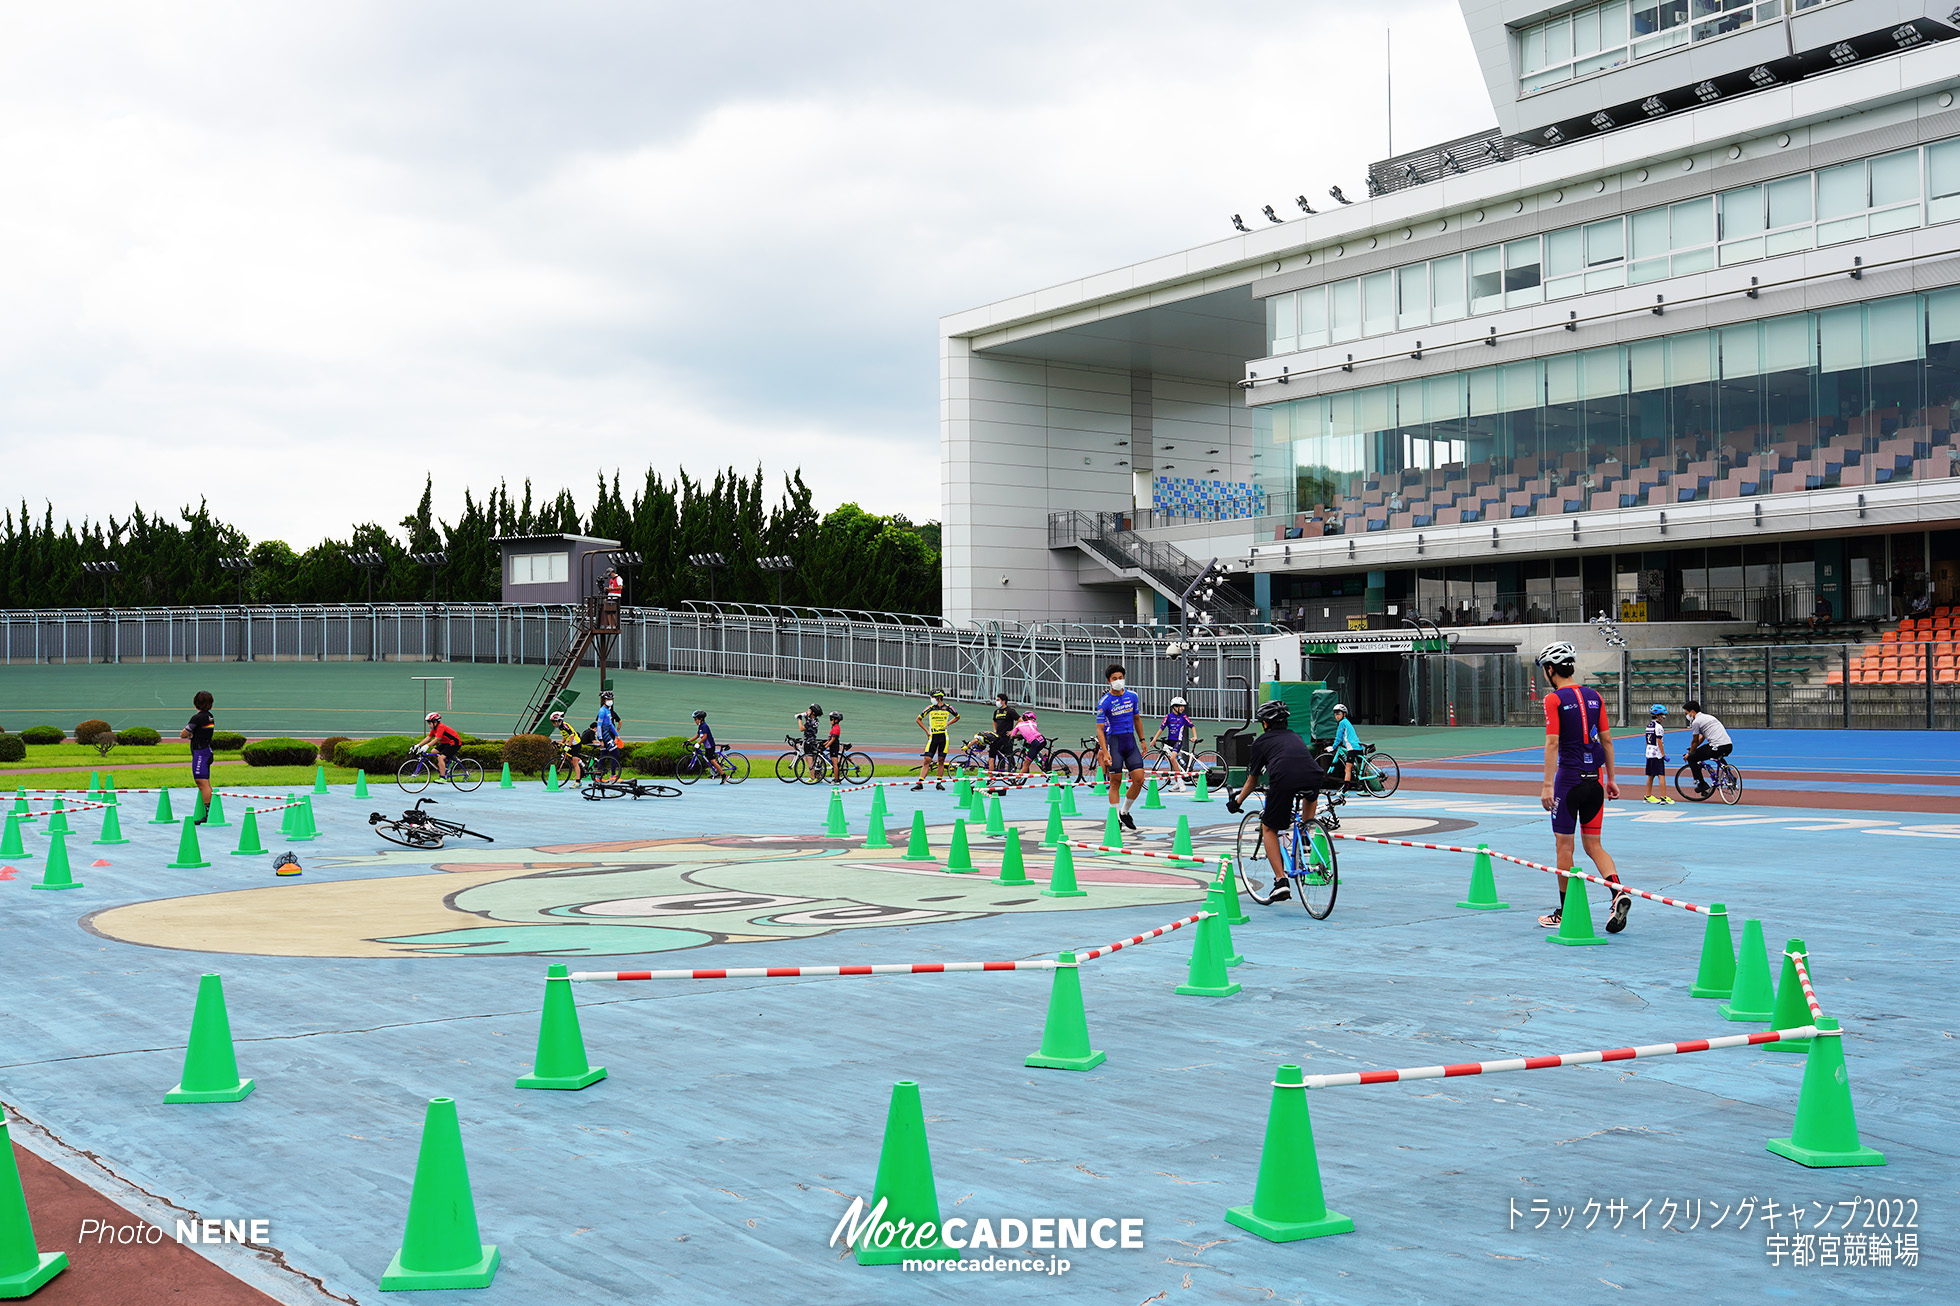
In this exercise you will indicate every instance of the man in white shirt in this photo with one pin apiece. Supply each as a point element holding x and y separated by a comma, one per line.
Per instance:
<point>1707,739</point>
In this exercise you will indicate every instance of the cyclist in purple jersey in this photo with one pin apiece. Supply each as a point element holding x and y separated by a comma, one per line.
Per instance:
<point>1578,776</point>
<point>1177,725</point>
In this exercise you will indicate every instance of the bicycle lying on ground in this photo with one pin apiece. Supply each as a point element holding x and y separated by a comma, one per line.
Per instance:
<point>1723,780</point>
<point>723,763</point>
<point>415,828</point>
<point>424,765</point>
<point>1313,868</point>
<point>615,786</point>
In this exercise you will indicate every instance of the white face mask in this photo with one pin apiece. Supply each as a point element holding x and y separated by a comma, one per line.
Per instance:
<point>1116,685</point>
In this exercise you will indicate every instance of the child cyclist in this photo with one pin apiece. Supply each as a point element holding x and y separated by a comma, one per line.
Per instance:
<point>1176,728</point>
<point>1032,741</point>
<point>704,740</point>
<point>569,747</point>
<point>835,746</point>
<point>199,730</point>
<point>1657,753</point>
<point>1578,776</point>
<point>1347,745</point>
<point>445,741</point>
<point>1286,762</point>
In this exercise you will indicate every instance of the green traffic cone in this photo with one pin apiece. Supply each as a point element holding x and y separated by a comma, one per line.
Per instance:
<point>1575,928</point>
<point>1152,802</point>
<point>248,836</point>
<point>210,1066</point>
<point>551,778</point>
<point>504,781</point>
<point>1061,880</point>
<point>1100,788</point>
<point>1825,1133</point>
<point>360,784</point>
<point>1234,909</point>
<point>1012,869</point>
<point>109,786</point>
<point>320,778</point>
<point>1207,977</point>
<point>23,1266</point>
<point>111,826</point>
<point>1792,1009</point>
<point>56,874</point>
<point>876,837</point>
<point>189,857</point>
<point>21,808</point>
<point>560,1061</point>
<point>288,818</point>
<point>1288,1203</point>
<point>1054,836</point>
<point>94,784</point>
<point>1181,841</point>
<point>1715,977</point>
<point>1215,902</point>
<point>1065,1034</point>
<point>1054,787</point>
<point>304,831</point>
<point>1751,999</point>
<point>1112,830</point>
<point>1068,798</point>
<point>996,825</point>
<point>962,791</point>
<point>1483,885</point>
<point>164,815</point>
<point>916,848</point>
<point>10,840</point>
<point>959,857</point>
<point>878,802</point>
<point>1202,794</point>
<point>904,1185</point>
<point>441,1246</point>
<point>215,817</point>
<point>835,826</point>
<point>58,819</point>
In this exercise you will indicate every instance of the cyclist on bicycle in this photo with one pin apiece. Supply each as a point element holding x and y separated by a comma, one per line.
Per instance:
<point>1032,741</point>
<point>836,747</point>
<point>1578,776</point>
<point>1287,762</point>
<point>1657,753</point>
<point>1177,725</point>
<point>1000,744</point>
<point>1348,749</point>
<point>1707,739</point>
<point>445,741</point>
<point>569,747</point>
<point>704,743</point>
<point>936,720</point>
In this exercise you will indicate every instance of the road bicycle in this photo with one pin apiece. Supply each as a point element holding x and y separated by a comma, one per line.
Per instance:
<point>604,766</point>
<point>1376,774</point>
<point>1048,762</point>
<point>1723,780</point>
<point>596,790</point>
<point>1313,868</point>
<point>790,766</point>
<point>424,765</point>
<point>416,828</point>
<point>816,768</point>
<point>724,764</point>
<point>1186,759</point>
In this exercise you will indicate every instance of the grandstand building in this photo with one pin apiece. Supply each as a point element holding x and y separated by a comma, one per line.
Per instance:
<point>1678,342</point>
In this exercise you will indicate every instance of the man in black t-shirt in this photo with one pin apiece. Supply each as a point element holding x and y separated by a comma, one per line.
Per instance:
<point>199,730</point>
<point>1000,748</point>
<point>1287,763</point>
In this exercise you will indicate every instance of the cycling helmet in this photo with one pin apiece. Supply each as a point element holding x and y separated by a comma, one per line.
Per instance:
<point>433,717</point>
<point>557,716</point>
<point>1178,701</point>
<point>1028,714</point>
<point>1340,707</point>
<point>816,709</point>
<point>1560,654</point>
<point>605,696</point>
<point>939,693</point>
<point>699,715</point>
<point>1274,712</point>
<point>836,716</point>
<point>1658,709</point>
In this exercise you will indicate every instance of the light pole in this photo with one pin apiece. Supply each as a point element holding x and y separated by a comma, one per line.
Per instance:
<point>710,563</point>
<point>368,561</point>
<point>434,562</point>
<point>782,566</point>
<point>624,561</point>
<point>104,570</point>
<point>241,565</point>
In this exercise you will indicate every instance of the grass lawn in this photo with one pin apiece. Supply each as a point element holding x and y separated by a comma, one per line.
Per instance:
<point>250,779</point>
<point>73,754</point>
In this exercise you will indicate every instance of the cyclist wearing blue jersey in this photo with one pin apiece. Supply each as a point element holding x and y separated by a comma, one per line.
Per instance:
<point>1578,776</point>
<point>606,727</point>
<point>1116,743</point>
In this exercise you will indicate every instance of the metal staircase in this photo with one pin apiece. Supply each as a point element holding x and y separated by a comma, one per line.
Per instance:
<point>1165,568</point>
<point>595,623</point>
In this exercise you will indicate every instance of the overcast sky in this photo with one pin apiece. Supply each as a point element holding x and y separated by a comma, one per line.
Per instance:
<point>290,258</point>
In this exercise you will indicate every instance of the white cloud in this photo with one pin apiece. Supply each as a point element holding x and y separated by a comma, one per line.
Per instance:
<point>290,260</point>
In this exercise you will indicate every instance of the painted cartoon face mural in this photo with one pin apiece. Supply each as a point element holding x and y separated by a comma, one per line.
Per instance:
<point>626,898</point>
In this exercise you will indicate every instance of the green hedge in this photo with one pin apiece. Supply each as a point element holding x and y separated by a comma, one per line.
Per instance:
<point>487,751</point>
<point>380,756</point>
<point>227,741</point>
<point>12,748</point>
<point>139,737</point>
<point>330,746</point>
<point>86,732</point>
<point>658,757</point>
<point>281,752</point>
<point>529,754</point>
<point>43,735</point>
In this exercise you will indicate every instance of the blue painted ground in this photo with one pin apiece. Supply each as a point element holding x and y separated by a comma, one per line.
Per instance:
<point>740,1116</point>
<point>1894,752</point>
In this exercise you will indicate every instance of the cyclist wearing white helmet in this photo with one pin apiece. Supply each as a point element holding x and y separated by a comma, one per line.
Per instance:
<point>1181,740</point>
<point>570,751</point>
<point>1347,744</point>
<point>445,741</point>
<point>1657,753</point>
<point>1578,776</point>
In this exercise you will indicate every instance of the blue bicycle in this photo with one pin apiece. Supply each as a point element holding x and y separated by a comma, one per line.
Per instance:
<point>1313,868</point>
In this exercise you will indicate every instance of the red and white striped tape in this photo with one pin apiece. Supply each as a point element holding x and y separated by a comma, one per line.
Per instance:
<point>1109,851</point>
<point>908,783</point>
<point>1803,978</point>
<point>1565,1059</point>
<point>1145,937</point>
<point>1616,886</point>
<point>224,793</point>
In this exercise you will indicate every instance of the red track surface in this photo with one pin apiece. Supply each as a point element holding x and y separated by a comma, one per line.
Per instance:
<point>1750,797</point>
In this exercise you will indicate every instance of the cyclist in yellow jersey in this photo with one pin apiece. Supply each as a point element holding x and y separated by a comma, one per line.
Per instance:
<point>568,745</point>
<point>936,720</point>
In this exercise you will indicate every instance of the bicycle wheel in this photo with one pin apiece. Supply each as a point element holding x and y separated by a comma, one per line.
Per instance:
<point>1255,872</point>
<point>1321,880</point>
<point>605,768</point>
<point>1729,786</point>
<point>1067,763</point>
<point>1684,784</point>
<point>858,768</point>
<point>1205,761</point>
<point>413,775</point>
<point>735,767</point>
<point>1159,761</point>
<point>466,774</point>
<point>806,773</point>
<point>1391,773</point>
<point>786,767</point>
<point>689,768</point>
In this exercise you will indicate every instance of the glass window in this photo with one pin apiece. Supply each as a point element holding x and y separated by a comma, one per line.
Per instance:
<point>1565,252</point>
<point>1486,280</point>
<point>1346,311</point>
<point>1789,201</point>
<point>1313,317</point>
<point>1412,296</point>
<point>1943,181</point>
<point>1691,223</point>
<point>1521,273</point>
<point>1281,325</point>
<point>1742,212</point>
<point>1558,41</point>
<point>1585,31</point>
<point>1605,242</point>
<point>1377,303</point>
<point>1841,190</point>
<point>1446,289</point>
<point>1895,179</point>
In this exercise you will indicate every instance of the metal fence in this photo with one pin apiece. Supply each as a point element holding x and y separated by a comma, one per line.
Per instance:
<point>1050,665</point>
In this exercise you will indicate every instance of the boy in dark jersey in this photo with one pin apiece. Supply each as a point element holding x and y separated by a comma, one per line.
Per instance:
<point>1287,764</point>
<point>1000,746</point>
<point>1578,776</point>
<point>198,730</point>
